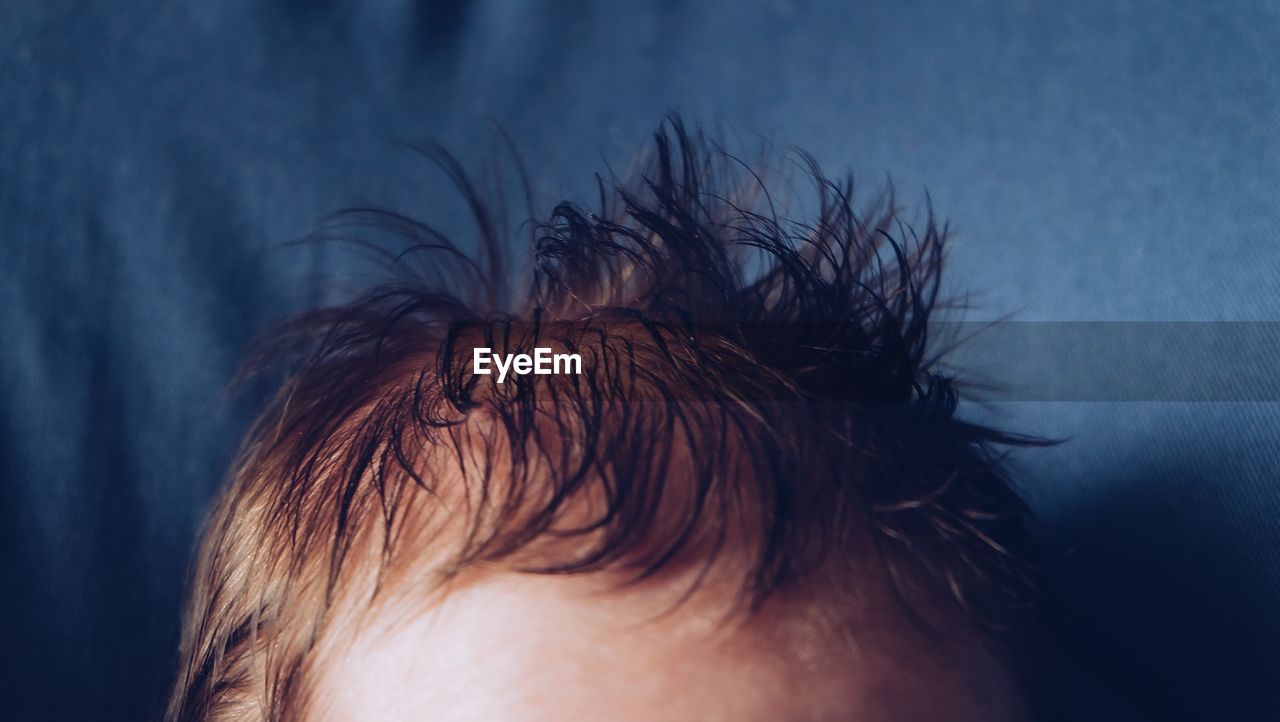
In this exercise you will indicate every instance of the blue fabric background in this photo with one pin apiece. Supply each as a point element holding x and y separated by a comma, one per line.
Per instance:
<point>1100,160</point>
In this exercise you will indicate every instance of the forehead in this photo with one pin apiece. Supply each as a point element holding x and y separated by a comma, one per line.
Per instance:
<point>527,648</point>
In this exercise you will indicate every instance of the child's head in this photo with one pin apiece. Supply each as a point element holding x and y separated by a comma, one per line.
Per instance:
<point>748,500</point>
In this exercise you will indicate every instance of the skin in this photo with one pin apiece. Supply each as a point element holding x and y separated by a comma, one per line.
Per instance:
<point>506,647</point>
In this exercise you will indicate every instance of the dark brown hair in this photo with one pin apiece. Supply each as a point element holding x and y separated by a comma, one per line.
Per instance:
<point>746,376</point>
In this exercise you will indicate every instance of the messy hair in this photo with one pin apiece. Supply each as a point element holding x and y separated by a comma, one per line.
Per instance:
<point>749,379</point>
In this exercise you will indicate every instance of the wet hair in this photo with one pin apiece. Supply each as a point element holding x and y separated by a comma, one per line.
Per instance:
<point>749,380</point>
